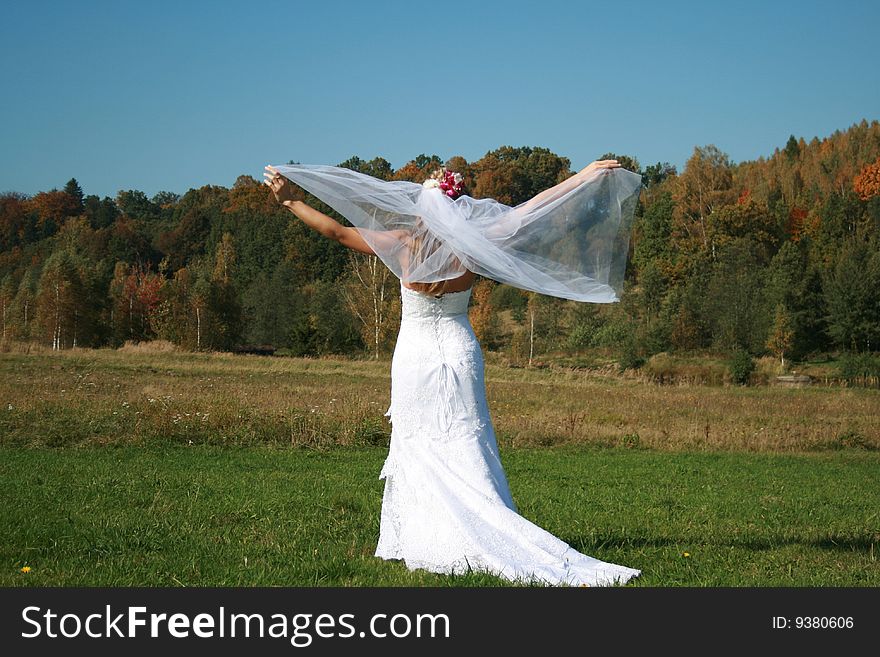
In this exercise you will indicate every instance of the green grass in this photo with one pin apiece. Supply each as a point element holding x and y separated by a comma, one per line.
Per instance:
<point>205,515</point>
<point>165,469</point>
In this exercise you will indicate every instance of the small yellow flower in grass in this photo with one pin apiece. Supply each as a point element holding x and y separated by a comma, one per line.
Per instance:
<point>687,554</point>
<point>25,569</point>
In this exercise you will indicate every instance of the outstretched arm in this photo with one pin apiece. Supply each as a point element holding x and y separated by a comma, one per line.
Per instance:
<point>327,226</point>
<point>569,183</point>
<point>510,221</point>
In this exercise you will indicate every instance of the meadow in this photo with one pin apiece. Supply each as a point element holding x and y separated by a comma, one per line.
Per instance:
<point>133,467</point>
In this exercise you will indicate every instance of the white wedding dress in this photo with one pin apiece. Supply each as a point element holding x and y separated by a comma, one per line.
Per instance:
<point>446,506</point>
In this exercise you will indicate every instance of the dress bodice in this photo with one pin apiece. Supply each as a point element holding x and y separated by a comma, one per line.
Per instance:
<point>421,305</point>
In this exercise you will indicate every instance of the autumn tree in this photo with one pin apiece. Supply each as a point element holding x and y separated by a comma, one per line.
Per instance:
<point>483,315</point>
<point>813,196</point>
<point>24,304</point>
<point>171,317</point>
<point>740,220</point>
<point>514,175</point>
<point>193,218</point>
<point>224,305</point>
<point>867,183</point>
<point>136,293</point>
<point>705,185</point>
<point>418,169</point>
<point>369,290</point>
<point>224,259</point>
<point>781,337</point>
<point>17,221</point>
<point>796,223</point>
<point>60,297</point>
<point>52,209</point>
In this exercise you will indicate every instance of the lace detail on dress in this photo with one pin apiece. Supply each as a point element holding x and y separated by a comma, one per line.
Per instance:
<point>449,348</point>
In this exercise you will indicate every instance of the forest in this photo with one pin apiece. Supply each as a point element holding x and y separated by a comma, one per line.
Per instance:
<point>777,256</point>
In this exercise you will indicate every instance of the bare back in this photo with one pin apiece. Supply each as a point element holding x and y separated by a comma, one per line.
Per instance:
<point>458,284</point>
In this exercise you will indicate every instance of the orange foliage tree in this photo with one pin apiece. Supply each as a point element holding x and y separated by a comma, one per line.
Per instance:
<point>484,318</point>
<point>53,206</point>
<point>867,183</point>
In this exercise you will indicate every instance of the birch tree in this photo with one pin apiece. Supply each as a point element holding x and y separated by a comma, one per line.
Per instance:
<point>369,292</point>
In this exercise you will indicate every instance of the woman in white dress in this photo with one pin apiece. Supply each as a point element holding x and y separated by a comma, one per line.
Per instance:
<point>447,506</point>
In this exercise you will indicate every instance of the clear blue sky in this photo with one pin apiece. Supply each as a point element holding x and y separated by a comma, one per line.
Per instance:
<point>174,95</point>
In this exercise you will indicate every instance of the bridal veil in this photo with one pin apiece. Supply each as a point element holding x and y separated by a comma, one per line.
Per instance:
<point>570,242</point>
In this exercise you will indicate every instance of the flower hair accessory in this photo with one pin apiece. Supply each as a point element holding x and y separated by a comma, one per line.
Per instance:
<point>451,184</point>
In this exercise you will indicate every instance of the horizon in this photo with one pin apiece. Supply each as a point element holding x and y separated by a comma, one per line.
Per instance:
<point>678,168</point>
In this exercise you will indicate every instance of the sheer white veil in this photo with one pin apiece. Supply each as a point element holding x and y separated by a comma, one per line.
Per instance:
<point>569,242</point>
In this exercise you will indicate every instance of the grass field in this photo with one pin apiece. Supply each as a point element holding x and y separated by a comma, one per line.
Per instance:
<point>192,469</point>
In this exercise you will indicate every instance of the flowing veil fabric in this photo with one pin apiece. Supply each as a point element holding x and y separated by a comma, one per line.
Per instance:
<point>446,505</point>
<point>569,242</point>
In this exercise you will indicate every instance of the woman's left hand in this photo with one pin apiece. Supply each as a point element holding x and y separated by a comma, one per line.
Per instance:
<point>279,185</point>
<point>599,164</point>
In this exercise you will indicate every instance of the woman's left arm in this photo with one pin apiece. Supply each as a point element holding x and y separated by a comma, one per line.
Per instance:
<point>509,222</point>
<point>570,183</point>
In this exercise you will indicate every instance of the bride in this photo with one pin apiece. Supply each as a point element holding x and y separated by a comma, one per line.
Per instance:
<point>447,506</point>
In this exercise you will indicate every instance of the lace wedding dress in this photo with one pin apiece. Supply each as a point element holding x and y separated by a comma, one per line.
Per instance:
<point>446,506</point>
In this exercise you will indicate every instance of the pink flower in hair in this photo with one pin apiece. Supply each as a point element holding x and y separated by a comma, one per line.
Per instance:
<point>451,184</point>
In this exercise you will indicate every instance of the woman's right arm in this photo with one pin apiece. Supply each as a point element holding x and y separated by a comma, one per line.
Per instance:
<point>327,226</point>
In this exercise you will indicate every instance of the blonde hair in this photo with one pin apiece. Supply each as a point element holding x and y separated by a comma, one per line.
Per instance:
<point>421,250</point>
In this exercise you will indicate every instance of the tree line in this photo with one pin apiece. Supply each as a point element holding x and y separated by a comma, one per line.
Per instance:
<point>780,255</point>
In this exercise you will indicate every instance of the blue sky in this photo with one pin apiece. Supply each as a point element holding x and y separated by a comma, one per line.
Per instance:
<point>174,95</point>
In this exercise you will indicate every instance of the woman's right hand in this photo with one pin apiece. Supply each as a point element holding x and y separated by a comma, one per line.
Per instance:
<point>279,185</point>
